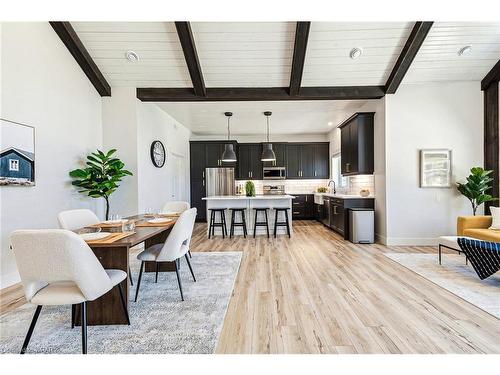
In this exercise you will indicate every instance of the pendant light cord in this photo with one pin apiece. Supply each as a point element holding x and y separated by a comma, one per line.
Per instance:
<point>267,117</point>
<point>228,129</point>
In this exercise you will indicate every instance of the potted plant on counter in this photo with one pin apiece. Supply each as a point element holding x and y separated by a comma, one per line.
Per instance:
<point>100,177</point>
<point>250,189</point>
<point>478,183</point>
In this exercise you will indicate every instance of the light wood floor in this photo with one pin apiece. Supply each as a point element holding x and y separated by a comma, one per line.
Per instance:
<point>316,293</point>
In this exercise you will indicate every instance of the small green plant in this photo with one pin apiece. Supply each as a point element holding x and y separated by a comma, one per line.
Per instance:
<point>101,176</point>
<point>478,183</point>
<point>250,189</point>
<point>322,189</point>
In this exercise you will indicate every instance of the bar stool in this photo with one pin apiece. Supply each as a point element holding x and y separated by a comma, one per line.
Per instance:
<point>221,223</point>
<point>281,223</point>
<point>260,223</point>
<point>235,223</point>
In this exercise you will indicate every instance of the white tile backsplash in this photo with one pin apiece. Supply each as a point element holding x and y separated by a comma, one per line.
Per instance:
<point>356,183</point>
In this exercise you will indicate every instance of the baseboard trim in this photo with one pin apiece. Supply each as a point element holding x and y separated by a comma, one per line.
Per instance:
<point>402,241</point>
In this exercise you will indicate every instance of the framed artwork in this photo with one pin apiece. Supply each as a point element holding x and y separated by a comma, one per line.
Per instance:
<point>17,154</point>
<point>435,168</point>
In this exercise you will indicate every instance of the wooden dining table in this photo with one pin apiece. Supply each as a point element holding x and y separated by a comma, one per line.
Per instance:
<point>108,309</point>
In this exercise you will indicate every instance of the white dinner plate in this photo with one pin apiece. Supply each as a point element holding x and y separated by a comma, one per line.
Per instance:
<point>95,236</point>
<point>114,221</point>
<point>159,220</point>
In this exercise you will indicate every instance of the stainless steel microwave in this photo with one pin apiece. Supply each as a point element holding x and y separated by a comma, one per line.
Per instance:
<point>274,173</point>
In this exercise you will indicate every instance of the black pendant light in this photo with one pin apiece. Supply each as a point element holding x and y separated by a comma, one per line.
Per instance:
<point>228,155</point>
<point>267,148</point>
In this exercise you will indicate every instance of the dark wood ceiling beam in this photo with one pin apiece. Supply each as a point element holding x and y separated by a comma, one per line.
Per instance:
<point>299,56</point>
<point>260,94</point>
<point>493,76</point>
<point>410,50</point>
<point>189,48</point>
<point>75,46</point>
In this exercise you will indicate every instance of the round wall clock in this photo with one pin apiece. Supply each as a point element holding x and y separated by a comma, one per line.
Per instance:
<point>157,154</point>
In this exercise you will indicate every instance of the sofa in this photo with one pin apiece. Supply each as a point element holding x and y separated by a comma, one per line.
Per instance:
<point>477,227</point>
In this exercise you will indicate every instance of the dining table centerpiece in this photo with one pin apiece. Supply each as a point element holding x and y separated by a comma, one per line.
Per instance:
<point>100,177</point>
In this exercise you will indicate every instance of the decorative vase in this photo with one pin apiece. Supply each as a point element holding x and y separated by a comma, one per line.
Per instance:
<point>364,192</point>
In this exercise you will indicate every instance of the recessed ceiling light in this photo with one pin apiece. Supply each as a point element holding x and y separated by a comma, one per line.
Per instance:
<point>355,53</point>
<point>330,123</point>
<point>132,56</point>
<point>464,50</point>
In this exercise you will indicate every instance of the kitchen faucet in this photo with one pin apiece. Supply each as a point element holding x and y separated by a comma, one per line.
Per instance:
<point>334,186</point>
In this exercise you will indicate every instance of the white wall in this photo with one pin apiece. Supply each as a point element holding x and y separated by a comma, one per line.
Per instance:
<point>119,121</point>
<point>156,185</point>
<point>130,126</point>
<point>443,115</point>
<point>44,87</point>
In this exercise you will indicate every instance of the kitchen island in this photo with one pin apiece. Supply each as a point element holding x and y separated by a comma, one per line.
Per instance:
<point>249,203</point>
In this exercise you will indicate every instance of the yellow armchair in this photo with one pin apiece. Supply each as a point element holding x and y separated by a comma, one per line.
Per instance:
<point>477,227</point>
<point>472,222</point>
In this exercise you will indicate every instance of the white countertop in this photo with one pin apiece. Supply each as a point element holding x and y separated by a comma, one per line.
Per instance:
<point>344,196</point>
<point>244,197</point>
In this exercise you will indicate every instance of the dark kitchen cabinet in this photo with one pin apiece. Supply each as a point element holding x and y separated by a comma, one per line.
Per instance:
<point>337,212</point>
<point>198,160</point>
<point>303,206</point>
<point>214,151</point>
<point>307,160</point>
<point>280,153</point>
<point>322,160</point>
<point>356,144</point>
<point>293,161</point>
<point>249,163</point>
<point>197,193</point>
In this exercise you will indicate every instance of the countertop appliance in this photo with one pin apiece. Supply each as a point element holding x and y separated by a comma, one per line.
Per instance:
<point>326,211</point>
<point>219,181</point>
<point>273,189</point>
<point>274,173</point>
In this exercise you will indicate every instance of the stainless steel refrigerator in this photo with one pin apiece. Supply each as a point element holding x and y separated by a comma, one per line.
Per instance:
<point>220,181</point>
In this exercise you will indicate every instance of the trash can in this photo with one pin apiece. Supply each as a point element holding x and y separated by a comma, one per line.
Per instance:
<point>361,225</point>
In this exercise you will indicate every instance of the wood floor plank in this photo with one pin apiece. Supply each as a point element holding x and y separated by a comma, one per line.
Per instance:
<point>316,293</point>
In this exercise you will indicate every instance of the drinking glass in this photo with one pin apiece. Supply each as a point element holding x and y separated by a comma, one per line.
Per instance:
<point>128,225</point>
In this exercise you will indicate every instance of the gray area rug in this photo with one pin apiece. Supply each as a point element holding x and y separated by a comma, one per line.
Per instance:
<point>160,321</point>
<point>456,277</point>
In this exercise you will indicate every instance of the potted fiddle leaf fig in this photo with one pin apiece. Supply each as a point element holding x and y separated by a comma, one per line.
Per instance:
<point>250,189</point>
<point>476,187</point>
<point>100,177</point>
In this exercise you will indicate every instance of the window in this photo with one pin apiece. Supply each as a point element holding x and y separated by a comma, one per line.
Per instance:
<point>14,165</point>
<point>340,182</point>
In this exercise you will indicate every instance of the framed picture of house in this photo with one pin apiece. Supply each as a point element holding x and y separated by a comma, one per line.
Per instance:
<point>17,154</point>
<point>435,168</point>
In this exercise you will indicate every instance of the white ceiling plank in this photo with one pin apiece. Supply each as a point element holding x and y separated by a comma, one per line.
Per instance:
<point>289,117</point>
<point>327,60</point>
<point>253,54</point>
<point>438,59</point>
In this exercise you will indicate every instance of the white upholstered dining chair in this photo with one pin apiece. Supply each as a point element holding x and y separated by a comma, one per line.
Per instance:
<point>80,218</point>
<point>57,267</point>
<point>176,206</point>
<point>175,247</point>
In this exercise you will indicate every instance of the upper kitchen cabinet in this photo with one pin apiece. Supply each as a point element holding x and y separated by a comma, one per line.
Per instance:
<point>356,144</point>
<point>307,160</point>
<point>322,160</point>
<point>249,163</point>
<point>213,154</point>
<point>280,153</point>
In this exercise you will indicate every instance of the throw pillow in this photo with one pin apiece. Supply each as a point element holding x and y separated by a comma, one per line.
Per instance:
<point>495,215</point>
